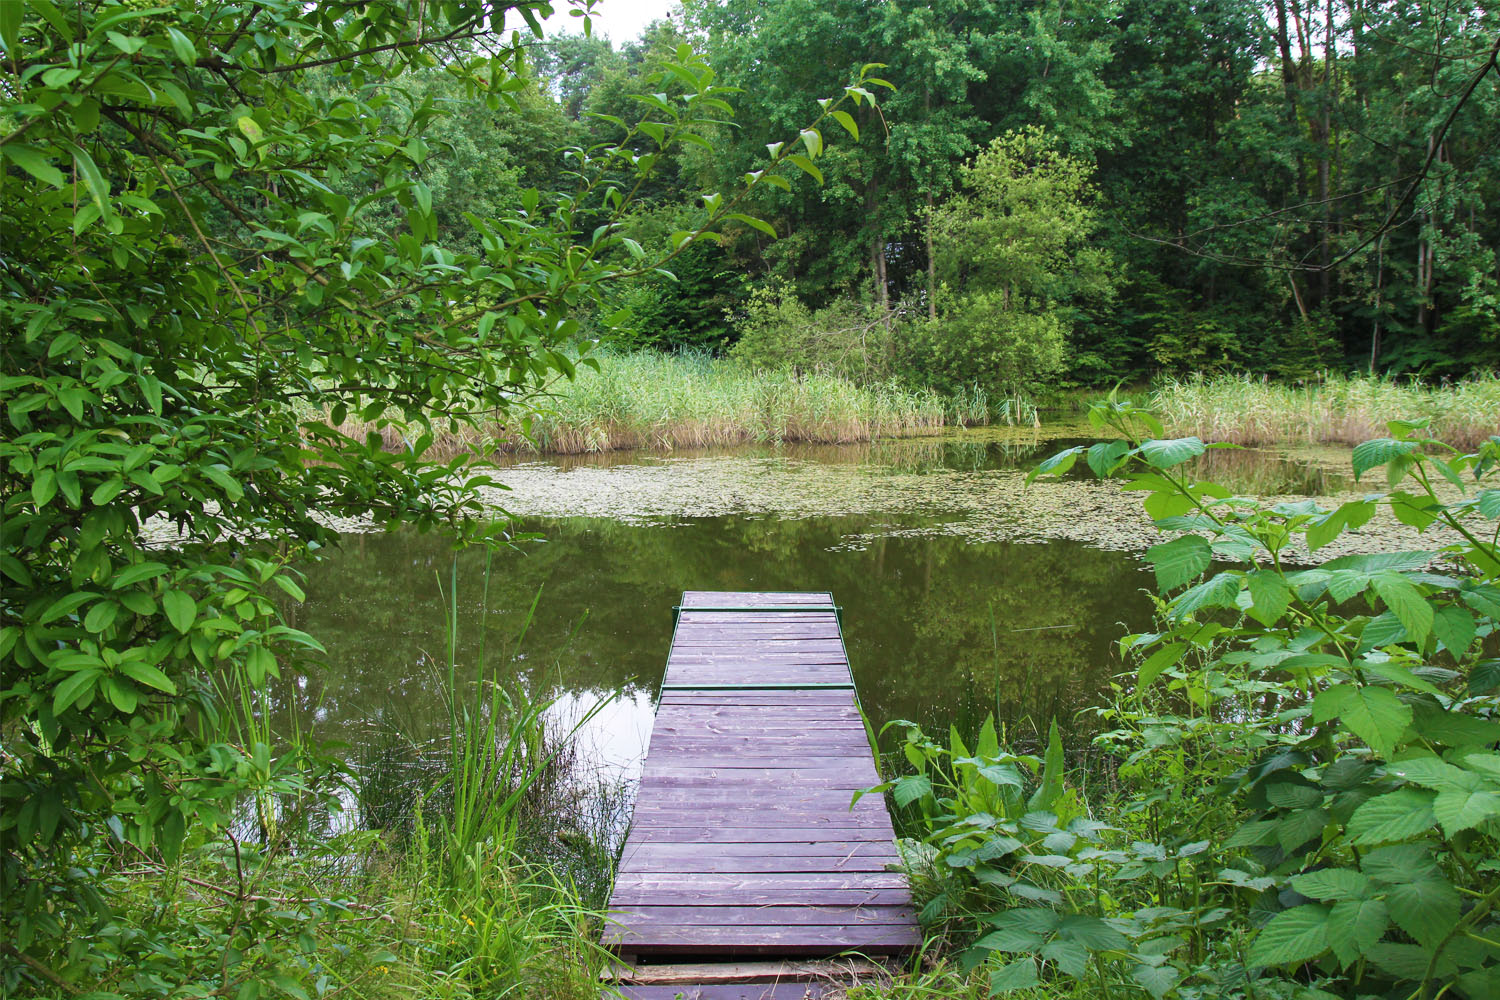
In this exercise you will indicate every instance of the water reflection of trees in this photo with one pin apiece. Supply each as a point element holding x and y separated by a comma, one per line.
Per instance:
<point>918,616</point>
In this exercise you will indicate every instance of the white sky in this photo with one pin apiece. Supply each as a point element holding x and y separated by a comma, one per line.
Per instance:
<point>618,20</point>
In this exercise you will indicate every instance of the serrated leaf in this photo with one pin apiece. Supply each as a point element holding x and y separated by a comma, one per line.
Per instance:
<point>1454,628</point>
<point>911,788</point>
<point>1373,714</point>
<point>1180,560</point>
<point>1354,925</point>
<point>1399,815</point>
<point>1017,975</point>
<point>1332,884</point>
<point>1461,809</point>
<point>1406,602</point>
<point>1294,935</point>
<point>1269,595</point>
<point>1426,909</point>
<point>1219,591</point>
<point>1378,452</point>
<point>1157,980</point>
<point>1173,451</point>
<point>1106,456</point>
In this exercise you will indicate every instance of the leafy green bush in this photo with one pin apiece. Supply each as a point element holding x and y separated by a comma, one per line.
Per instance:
<point>1309,793</point>
<point>977,340</point>
<point>844,338</point>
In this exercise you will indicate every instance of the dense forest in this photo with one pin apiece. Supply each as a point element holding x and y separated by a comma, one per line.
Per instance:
<point>1066,192</point>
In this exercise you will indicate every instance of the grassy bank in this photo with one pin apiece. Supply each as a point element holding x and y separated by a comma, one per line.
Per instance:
<point>1341,410</point>
<point>661,401</point>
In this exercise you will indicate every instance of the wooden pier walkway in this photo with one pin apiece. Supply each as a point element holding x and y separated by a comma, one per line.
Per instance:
<point>743,841</point>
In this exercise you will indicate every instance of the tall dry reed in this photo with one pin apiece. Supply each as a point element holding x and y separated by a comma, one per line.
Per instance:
<point>665,402</point>
<point>1335,409</point>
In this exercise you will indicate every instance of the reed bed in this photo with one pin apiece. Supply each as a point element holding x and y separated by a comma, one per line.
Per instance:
<point>667,402</point>
<point>1334,409</point>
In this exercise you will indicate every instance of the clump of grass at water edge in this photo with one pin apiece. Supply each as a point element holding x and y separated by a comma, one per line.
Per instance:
<point>662,401</point>
<point>1334,409</point>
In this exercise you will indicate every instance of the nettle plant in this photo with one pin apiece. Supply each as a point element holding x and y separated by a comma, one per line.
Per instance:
<point>1346,715</point>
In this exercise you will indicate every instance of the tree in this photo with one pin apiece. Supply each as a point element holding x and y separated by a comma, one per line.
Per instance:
<point>1016,256</point>
<point>213,255</point>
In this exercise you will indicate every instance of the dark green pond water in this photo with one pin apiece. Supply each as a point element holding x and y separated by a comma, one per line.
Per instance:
<point>945,619</point>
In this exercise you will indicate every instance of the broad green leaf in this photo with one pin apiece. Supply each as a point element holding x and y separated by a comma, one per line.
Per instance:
<point>1332,883</point>
<point>1294,935</point>
<point>910,789</point>
<point>1461,809</point>
<point>1175,451</point>
<point>1426,909</point>
<point>845,119</point>
<point>1092,932</point>
<point>1180,560</point>
<point>1269,595</point>
<point>1354,925</point>
<point>182,46</point>
<point>1158,661</point>
<point>1157,980</point>
<point>1399,815</point>
<point>31,159</point>
<point>1373,714</point>
<point>1378,452</point>
<point>1017,975</point>
<point>1105,457</point>
<point>1406,603</point>
<point>74,688</point>
<point>1219,591</point>
<point>1454,628</point>
<point>181,609</point>
<point>807,166</point>
<point>754,223</point>
<point>148,675</point>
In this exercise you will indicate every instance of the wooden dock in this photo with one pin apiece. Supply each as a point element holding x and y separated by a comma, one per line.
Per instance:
<point>743,841</point>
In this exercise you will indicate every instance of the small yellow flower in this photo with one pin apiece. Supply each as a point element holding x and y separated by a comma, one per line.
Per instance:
<point>468,921</point>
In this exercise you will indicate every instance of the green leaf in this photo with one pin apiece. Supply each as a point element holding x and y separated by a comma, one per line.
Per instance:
<point>1106,456</point>
<point>101,616</point>
<point>1174,451</point>
<point>1180,560</point>
<point>1092,932</point>
<point>183,47</point>
<point>148,675</point>
<point>1454,628</point>
<point>1378,452</point>
<point>1484,677</point>
<point>73,688</point>
<point>1017,975</point>
<point>1354,925</point>
<point>1294,935</point>
<point>1406,602</point>
<point>806,166</point>
<point>1050,787</point>
<point>1399,815</point>
<point>65,605</point>
<point>93,179</point>
<point>845,119</point>
<point>1158,661</point>
<point>1157,980</point>
<point>1461,809</point>
<point>1269,595</point>
<point>1426,909</point>
<point>1374,714</point>
<point>754,223</point>
<point>1219,591</point>
<point>29,158</point>
<point>181,609</point>
<point>1332,883</point>
<point>910,788</point>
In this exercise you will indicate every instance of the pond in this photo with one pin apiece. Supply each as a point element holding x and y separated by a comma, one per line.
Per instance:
<point>963,592</point>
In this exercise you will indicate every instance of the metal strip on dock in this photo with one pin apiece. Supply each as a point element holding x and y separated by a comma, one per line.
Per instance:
<point>743,840</point>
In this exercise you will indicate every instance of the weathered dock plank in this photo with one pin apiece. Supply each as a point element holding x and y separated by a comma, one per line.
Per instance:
<point>744,840</point>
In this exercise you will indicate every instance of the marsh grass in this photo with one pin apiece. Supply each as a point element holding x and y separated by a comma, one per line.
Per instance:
<point>668,402</point>
<point>1334,410</point>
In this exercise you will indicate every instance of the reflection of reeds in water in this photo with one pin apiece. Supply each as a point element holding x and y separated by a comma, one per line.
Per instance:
<point>1258,473</point>
<point>1335,409</point>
